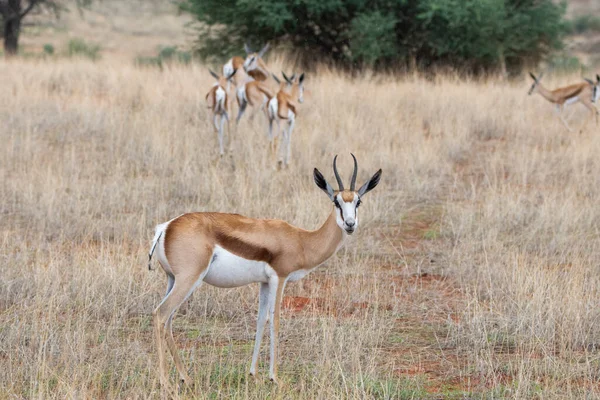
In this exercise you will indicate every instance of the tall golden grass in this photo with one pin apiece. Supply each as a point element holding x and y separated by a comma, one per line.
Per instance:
<point>474,272</point>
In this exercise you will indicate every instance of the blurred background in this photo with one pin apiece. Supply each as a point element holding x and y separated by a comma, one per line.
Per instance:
<point>503,36</point>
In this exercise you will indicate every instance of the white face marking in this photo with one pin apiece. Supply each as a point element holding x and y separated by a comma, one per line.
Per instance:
<point>227,270</point>
<point>346,213</point>
<point>251,63</point>
<point>596,94</point>
<point>301,94</point>
<point>572,100</point>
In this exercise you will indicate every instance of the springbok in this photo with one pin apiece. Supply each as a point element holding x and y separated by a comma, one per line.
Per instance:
<point>252,92</point>
<point>585,92</point>
<point>218,101</point>
<point>230,250</point>
<point>253,65</point>
<point>284,106</point>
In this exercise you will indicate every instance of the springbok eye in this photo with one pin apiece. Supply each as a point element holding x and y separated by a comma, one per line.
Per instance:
<point>335,201</point>
<point>358,203</point>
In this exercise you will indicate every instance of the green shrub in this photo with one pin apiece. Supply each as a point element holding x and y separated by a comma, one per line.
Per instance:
<point>565,63</point>
<point>48,49</point>
<point>167,54</point>
<point>585,23</point>
<point>477,34</point>
<point>80,48</point>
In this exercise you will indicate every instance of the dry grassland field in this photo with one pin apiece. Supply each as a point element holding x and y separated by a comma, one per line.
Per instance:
<point>474,273</point>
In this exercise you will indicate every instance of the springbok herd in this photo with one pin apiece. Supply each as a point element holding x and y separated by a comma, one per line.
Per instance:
<point>249,78</point>
<point>230,250</point>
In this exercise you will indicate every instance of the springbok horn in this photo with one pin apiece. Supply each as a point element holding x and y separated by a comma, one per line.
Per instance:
<point>337,176</point>
<point>353,180</point>
<point>264,50</point>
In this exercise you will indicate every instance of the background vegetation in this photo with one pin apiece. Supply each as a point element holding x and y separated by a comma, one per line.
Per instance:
<point>467,34</point>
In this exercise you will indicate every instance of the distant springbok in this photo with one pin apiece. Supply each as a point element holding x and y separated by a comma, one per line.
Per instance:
<point>284,106</point>
<point>218,101</point>
<point>585,92</point>
<point>252,66</point>
<point>254,93</point>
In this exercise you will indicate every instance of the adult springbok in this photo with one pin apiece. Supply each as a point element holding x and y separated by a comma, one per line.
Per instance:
<point>230,250</point>
<point>585,92</point>
<point>253,93</point>
<point>284,106</point>
<point>253,65</point>
<point>218,101</point>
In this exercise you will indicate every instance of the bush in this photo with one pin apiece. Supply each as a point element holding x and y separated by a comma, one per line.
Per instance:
<point>468,33</point>
<point>48,49</point>
<point>585,23</point>
<point>79,48</point>
<point>168,54</point>
<point>565,63</point>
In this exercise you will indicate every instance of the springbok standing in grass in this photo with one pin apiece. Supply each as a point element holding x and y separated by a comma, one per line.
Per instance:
<point>253,65</point>
<point>284,106</point>
<point>254,93</point>
<point>218,101</point>
<point>585,92</point>
<point>230,250</point>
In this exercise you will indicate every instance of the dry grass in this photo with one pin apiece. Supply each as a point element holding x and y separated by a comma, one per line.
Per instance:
<point>474,272</point>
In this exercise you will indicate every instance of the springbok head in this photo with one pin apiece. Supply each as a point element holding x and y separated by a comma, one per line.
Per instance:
<point>254,64</point>
<point>296,84</point>
<point>595,87</point>
<point>536,81</point>
<point>223,81</point>
<point>346,201</point>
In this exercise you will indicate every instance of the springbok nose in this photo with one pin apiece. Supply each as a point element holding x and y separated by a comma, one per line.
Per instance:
<point>350,223</point>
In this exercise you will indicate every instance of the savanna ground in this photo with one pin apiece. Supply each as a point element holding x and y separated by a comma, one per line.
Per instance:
<point>474,273</point>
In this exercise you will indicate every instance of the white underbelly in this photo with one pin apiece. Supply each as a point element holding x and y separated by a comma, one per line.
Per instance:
<point>226,270</point>
<point>572,100</point>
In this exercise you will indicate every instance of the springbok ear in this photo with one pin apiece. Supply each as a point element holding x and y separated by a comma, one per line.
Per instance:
<point>322,183</point>
<point>264,50</point>
<point>213,74</point>
<point>232,74</point>
<point>286,78</point>
<point>301,79</point>
<point>370,184</point>
<point>276,78</point>
<point>247,48</point>
<point>533,76</point>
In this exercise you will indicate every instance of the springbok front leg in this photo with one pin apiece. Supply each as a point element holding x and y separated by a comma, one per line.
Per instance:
<point>263,312</point>
<point>593,114</point>
<point>275,293</point>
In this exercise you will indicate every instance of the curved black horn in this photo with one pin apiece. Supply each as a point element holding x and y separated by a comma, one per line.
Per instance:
<point>337,176</point>
<point>353,180</point>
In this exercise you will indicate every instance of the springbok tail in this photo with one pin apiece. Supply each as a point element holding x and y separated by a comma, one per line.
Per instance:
<point>157,235</point>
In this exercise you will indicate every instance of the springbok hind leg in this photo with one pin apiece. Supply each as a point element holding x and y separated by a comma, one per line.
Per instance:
<point>184,285</point>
